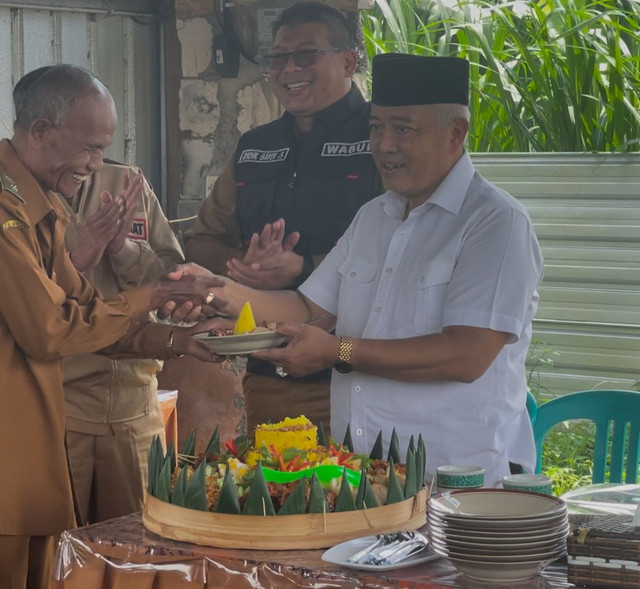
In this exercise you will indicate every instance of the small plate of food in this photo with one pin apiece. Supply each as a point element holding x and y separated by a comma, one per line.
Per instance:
<point>244,338</point>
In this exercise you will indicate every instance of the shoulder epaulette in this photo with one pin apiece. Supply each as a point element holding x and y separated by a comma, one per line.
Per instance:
<point>7,183</point>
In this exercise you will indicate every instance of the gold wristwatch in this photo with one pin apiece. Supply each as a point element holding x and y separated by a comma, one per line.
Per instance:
<point>343,364</point>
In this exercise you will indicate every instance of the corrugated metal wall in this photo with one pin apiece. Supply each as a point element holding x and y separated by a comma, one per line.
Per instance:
<point>586,210</point>
<point>124,55</point>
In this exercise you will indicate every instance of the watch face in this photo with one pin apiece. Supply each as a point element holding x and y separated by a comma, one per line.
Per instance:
<point>343,367</point>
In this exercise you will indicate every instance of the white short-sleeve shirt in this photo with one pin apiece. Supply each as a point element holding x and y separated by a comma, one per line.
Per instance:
<point>468,256</point>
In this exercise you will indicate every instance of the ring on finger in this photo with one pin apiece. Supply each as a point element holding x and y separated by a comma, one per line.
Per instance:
<point>210,298</point>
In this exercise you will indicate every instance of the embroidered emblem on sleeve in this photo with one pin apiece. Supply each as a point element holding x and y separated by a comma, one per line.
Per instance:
<point>139,229</point>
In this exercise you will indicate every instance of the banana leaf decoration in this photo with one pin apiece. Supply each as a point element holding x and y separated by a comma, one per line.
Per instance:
<point>180,488</point>
<point>345,501</point>
<point>296,503</point>
<point>395,493</point>
<point>154,462</point>
<point>171,453</point>
<point>189,447</point>
<point>410,481</point>
<point>322,436</point>
<point>317,500</point>
<point>163,483</point>
<point>258,499</point>
<point>421,461</point>
<point>348,442</point>
<point>195,495</point>
<point>228,499</point>
<point>394,448</point>
<point>366,498</point>
<point>213,447</point>
<point>376,451</point>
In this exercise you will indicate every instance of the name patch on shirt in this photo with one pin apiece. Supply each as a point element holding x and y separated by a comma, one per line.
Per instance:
<point>345,149</point>
<point>14,224</point>
<point>139,229</point>
<point>260,156</point>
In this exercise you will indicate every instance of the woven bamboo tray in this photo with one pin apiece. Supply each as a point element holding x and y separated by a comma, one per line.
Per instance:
<point>281,532</point>
<point>605,552</point>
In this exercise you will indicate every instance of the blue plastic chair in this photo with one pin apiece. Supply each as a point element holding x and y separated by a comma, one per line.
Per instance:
<point>532,407</point>
<point>616,415</point>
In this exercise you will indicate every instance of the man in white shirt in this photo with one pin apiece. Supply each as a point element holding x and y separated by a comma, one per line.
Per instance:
<point>433,286</point>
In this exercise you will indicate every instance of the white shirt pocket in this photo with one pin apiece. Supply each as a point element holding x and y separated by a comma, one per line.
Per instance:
<point>433,281</point>
<point>357,293</point>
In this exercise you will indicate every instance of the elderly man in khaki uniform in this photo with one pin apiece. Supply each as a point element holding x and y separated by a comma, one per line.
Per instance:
<point>49,311</point>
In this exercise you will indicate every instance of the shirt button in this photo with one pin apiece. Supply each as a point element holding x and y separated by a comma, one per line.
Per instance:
<point>359,432</point>
<point>357,388</point>
<point>377,309</point>
<point>389,270</point>
<point>352,274</point>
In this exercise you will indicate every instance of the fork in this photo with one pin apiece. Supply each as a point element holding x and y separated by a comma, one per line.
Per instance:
<point>381,540</point>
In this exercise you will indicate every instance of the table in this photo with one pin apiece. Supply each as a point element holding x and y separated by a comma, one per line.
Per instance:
<point>121,554</point>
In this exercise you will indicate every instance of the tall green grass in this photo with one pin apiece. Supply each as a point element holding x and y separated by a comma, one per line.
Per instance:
<point>546,75</point>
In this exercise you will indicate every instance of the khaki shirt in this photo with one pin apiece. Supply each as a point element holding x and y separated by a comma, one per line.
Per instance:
<point>48,311</point>
<point>101,390</point>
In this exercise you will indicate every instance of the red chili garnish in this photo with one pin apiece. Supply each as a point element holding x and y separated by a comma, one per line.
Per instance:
<point>233,449</point>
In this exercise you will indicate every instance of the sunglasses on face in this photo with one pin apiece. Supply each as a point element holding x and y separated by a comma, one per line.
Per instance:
<point>301,57</point>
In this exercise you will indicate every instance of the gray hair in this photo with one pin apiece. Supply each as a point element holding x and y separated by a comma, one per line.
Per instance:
<point>446,114</point>
<point>50,92</point>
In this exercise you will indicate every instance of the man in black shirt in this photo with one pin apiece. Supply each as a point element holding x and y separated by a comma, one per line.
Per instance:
<point>292,188</point>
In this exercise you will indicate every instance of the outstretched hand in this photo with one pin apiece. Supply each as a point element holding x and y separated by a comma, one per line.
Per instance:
<point>189,311</point>
<point>309,350</point>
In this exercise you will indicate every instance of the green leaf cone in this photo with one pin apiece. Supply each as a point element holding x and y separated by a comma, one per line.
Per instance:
<point>317,500</point>
<point>395,494</point>
<point>163,483</point>
<point>366,498</point>
<point>411,481</point>
<point>345,502</point>
<point>421,461</point>
<point>412,445</point>
<point>180,488</point>
<point>348,442</point>
<point>189,448</point>
<point>258,499</point>
<point>154,462</point>
<point>322,436</point>
<point>171,453</point>
<point>195,495</point>
<point>228,499</point>
<point>394,448</point>
<point>296,503</point>
<point>213,447</point>
<point>376,451</point>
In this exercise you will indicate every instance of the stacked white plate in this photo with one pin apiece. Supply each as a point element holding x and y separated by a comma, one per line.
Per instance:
<point>498,534</point>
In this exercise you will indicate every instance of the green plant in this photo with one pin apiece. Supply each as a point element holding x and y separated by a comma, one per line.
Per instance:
<point>547,75</point>
<point>568,454</point>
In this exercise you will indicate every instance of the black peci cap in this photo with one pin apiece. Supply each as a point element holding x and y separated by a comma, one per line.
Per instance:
<point>399,79</point>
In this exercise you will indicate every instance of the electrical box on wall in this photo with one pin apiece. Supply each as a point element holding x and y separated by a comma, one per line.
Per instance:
<point>267,12</point>
<point>226,55</point>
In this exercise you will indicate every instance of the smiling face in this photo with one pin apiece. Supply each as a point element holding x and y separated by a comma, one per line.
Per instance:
<point>69,155</point>
<point>414,149</point>
<point>305,91</point>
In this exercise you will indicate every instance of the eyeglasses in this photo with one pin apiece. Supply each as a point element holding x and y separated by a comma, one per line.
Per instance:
<point>301,57</point>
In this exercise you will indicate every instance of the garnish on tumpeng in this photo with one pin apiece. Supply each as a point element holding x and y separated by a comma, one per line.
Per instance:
<point>230,477</point>
<point>245,323</point>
